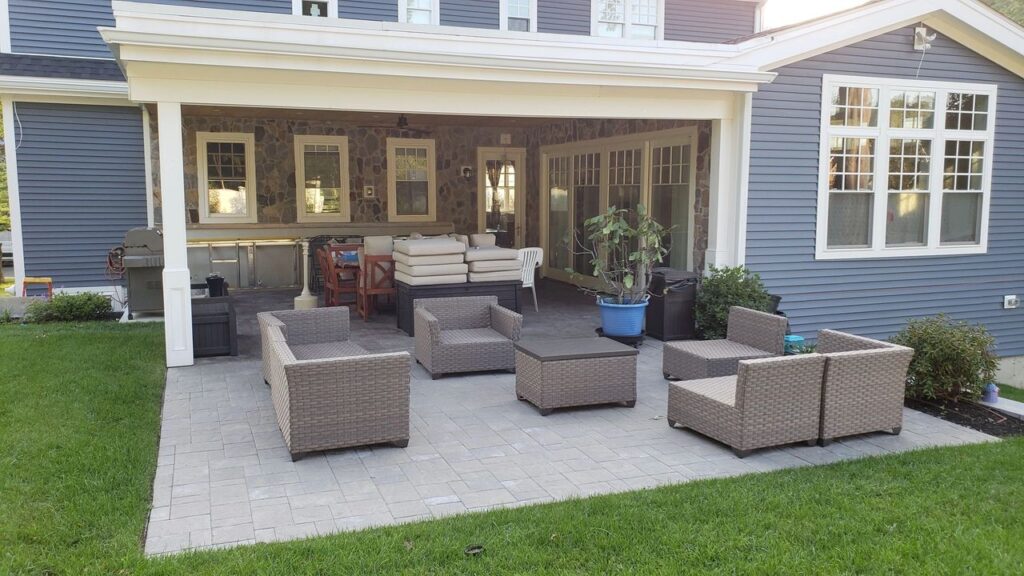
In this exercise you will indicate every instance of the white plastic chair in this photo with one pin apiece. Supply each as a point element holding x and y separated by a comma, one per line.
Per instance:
<point>531,259</point>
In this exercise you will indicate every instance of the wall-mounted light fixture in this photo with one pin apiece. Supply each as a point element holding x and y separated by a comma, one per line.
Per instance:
<point>467,172</point>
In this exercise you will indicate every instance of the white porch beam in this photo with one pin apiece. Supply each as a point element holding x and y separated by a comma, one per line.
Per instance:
<point>729,151</point>
<point>12,137</point>
<point>176,278</point>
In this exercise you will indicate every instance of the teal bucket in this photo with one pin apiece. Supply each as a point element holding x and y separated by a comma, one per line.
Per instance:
<point>622,319</point>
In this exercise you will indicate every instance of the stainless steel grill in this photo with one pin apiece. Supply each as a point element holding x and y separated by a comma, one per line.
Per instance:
<point>144,263</point>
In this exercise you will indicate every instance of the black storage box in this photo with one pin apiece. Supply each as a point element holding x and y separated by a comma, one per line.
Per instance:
<point>670,314</point>
<point>506,291</point>
<point>214,331</point>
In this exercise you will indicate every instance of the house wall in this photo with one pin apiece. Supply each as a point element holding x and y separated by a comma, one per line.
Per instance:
<point>455,147</point>
<point>470,13</point>
<point>66,28</point>
<point>709,20</point>
<point>375,10</point>
<point>876,297</point>
<point>81,178</point>
<point>564,16</point>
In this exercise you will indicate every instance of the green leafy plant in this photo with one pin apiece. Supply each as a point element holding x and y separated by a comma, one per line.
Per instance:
<point>624,246</point>
<point>952,360</point>
<point>6,317</point>
<point>724,287</point>
<point>83,307</point>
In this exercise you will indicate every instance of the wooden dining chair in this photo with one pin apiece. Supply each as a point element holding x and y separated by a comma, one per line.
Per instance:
<point>332,287</point>
<point>346,270</point>
<point>376,278</point>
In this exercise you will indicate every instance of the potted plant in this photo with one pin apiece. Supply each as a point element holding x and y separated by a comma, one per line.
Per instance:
<point>624,246</point>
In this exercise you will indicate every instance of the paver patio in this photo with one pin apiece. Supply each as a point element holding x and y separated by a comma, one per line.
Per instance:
<point>225,478</point>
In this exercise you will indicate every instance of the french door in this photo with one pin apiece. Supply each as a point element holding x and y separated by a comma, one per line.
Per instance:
<point>501,173</point>
<point>582,179</point>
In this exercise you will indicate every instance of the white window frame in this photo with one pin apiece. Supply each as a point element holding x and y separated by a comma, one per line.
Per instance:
<point>503,15</point>
<point>332,8</point>
<point>251,209</point>
<point>435,12</point>
<point>659,33</point>
<point>882,135</point>
<point>300,178</point>
<point>430,146</point>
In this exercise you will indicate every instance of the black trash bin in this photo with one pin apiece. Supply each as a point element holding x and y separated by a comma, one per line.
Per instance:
<point>670,312</point>
<point>216,286</point>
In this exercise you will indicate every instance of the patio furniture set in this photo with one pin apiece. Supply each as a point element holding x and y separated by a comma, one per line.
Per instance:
<point>329,393</point>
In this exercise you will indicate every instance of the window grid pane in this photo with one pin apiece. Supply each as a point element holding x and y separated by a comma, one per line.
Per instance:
<point>961,218</point>
<point>852,164</point>
<point>857,107</point>
<point>909,164</point>
<point>322,171</point>
<point>910,109</point>
<point>964,166</point>
<point>611,18</point>
<point>906,221</point>
<point>412,186</point>
<point>226,178</point>
<point>966,111</point>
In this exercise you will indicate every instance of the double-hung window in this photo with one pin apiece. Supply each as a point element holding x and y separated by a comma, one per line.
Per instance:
<point>419,11</point>
<point>412,180</point>
<point>316,8</point>
<point>637,19</point>
<point>322,178</point>
<point>906,168</point>
<point>226,166</point>
<point>518,15</point>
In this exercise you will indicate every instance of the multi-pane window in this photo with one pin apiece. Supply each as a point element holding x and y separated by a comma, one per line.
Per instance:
<point>322,178</point>
<point>519,16</point>
<point>639,19</point>
<point>316,8</point>
<point>419,11</point>
<point>227,177</point>
<point>412,193</point>
<point>898,182</point>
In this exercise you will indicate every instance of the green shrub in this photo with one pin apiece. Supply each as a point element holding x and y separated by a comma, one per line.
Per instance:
<point>952,360</point>
<point>725,287</point>
<point>70,308</point>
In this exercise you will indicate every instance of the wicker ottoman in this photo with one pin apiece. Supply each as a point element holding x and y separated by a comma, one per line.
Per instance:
<point>575,372</point>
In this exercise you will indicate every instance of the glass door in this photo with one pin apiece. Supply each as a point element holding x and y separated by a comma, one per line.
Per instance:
<point>502,178</point>
<point>559,233</point>
<point>671,201</point>
<point>586,203</point>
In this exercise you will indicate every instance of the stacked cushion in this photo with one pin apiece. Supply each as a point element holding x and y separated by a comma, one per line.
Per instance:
<point>431,270</point>
<point>502,276</point>
<point>494,265</point>
<point>429,261</point>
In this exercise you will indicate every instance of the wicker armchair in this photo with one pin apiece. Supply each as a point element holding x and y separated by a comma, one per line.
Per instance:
<point>751,334</point>
<point>864,385</point>
<point>328,392</point>
<point>471,334</point>
<point>770,402</point>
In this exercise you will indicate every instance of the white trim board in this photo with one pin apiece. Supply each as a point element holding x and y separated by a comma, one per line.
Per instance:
<point>26,86</point>
<point>5,26</point>
<point>11,140</point>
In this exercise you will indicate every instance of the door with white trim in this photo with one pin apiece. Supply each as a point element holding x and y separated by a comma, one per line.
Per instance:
<point>501,175</point>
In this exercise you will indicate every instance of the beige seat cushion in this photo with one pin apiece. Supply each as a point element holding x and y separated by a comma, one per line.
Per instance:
<point>491,253</point>
<point>722,389</point>
<point>428,260</point>
<point>482,240</point>
<point>437,270</point>
<point>495,265</point>
<point>324,350</point>
<point>429,280</point>
<point>506,276</point>
<point>718,349</point>
<point>430,247</point>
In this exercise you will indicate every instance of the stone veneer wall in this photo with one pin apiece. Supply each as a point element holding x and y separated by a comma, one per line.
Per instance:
<point>455,146</point>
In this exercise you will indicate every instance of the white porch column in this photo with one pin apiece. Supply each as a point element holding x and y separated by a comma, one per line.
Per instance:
<point>306,300</point>
<point>730,151</point>
<point>176,278</point>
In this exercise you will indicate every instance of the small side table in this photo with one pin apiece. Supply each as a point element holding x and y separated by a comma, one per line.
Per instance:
<point>575,372</point>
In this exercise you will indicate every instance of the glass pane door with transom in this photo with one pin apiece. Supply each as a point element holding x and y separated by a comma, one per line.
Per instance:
<point>672,199</point>
<point>502,178</point>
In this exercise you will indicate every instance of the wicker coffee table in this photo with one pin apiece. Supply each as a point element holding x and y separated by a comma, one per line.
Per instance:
<point>575,372</point>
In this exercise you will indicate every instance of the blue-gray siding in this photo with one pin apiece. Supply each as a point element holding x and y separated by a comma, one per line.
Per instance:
<point>376,10</point>
<point>563,16</point>
<point>876,297</point>
<point>708,20</point>
<point>470,13</point>
<point>82,184</point>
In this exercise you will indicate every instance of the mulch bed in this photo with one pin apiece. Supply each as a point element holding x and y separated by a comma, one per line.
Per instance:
<point>971,415</point>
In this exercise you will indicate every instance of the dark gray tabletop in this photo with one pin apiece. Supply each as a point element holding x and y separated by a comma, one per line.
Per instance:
<point>574,348</point>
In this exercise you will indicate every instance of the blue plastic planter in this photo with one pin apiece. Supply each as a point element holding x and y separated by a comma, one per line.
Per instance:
<point>622,319</point>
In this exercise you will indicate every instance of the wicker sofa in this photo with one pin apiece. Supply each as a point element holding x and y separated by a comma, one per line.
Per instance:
<point>770,402</point>
<point>470,334</point>
<point>863,387</point>
<point>328,392</point>
<point>750,334</point>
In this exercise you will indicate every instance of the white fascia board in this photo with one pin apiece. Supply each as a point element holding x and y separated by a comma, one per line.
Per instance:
<point>964,18</point>
<point>63,87</point>
<point>218,37</point>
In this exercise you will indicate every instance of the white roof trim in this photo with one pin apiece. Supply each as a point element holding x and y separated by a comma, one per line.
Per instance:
<point>155,33</point>
<point>63,87</point>
<point>967,21</point>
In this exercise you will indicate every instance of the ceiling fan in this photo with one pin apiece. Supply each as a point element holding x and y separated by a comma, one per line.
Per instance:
<point>401,124</point>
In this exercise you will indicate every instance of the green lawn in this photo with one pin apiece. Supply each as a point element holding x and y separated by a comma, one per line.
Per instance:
<point>78,426</point>
<point>1007,391</point>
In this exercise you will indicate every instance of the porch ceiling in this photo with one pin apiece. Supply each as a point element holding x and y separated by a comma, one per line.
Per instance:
<point>374,119</point>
